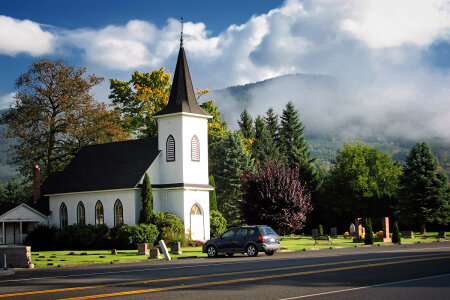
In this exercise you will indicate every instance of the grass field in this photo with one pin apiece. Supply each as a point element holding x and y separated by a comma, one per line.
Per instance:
<point>291,242</point>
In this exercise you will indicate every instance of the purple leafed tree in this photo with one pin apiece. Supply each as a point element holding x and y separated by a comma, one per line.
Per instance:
<point>275,196</point>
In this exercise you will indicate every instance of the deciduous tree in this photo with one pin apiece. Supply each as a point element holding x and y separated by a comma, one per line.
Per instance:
<point>139,99</point>
<point>54,115</point>
<point>274,195</point>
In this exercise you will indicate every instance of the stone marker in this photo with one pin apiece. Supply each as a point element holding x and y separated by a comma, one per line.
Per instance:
<point>176,248</point>
<point>114,251</point>
<point>385,224</point>
<point>16,256</point>
<point>441,235</point>
<point>352,229</point>
<point>154,253</point>
<point>142,249</point>
<point>162,245</point>
<point>333,232</point>
<point>407,234</point>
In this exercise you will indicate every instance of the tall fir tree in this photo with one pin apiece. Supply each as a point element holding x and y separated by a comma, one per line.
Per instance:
<point>230,161</point>
<point>424,194</point>
<point>396,237</point>
<point>369,238</point>
<point>246,125</point>
<point>212,194</point>
<point>294,147</point>
<point>147,200</point>
<point>264,147</point>
<point>272,124</point>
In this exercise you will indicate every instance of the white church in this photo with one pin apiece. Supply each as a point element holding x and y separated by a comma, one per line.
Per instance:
<point>102,184</point>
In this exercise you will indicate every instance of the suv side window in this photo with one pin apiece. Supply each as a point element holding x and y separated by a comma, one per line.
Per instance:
<point>252,231</point>
<point>267,230</point>
<point>241,232</point>
<point>229,233</point>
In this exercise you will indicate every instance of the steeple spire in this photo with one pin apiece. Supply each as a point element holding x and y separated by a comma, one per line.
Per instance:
<point>181,38</point>
<point>182,96</point>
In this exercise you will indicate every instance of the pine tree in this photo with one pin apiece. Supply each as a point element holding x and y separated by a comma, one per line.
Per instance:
<point>264,147</point>
<point>396,237</point>
<point>424,194</point>
<point>246,125</point>
<point>147,201</point>
<point>294,147</point>
<point>212,194</point>
<point>272,125</point>
<point>369,239</point>
<point>227,167</point>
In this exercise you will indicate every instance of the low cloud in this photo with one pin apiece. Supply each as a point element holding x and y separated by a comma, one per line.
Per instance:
<point>24,36</point>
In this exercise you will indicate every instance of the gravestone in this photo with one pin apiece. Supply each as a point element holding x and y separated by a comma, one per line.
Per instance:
<point>315,232</point>
<point>142,249</point>
<point>176,248</point>
<point>154,253</point>
<point>352,229</point>
<point>386,234</point>
<point>333,232</point>
<point>441,235</point>
<point>113,251</point>
<point>16,257</point>
<point>359,231</point>
<point>407,234</point>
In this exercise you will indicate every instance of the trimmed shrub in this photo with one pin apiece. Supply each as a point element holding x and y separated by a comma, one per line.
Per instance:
<point>41,237</point>
<point>396,237</point>
<point>218,224</point>
<point>170,228</point>
<point>369,239</point>
<point>81,237</point>
<point>320,229</point>
<point>128,236</point>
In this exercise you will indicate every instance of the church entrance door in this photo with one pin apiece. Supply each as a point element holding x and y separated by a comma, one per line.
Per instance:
<point>197,223</point>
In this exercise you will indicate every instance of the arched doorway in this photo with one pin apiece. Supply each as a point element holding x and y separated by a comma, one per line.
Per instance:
<point>197,223</point>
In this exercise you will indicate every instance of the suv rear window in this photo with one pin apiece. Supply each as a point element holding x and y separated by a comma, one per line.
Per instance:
<point>267,231</point>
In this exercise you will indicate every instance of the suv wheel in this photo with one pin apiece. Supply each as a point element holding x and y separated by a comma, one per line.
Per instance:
<point>251,250</point>
<point>211,250</point>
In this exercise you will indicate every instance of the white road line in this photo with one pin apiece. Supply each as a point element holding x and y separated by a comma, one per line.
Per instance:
<point>365,287</point>
<point>216,264</point>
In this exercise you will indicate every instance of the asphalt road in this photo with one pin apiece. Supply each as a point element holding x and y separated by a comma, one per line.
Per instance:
<point>419,271</point>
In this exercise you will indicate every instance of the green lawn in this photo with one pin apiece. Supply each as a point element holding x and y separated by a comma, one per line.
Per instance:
<point>291,242</point>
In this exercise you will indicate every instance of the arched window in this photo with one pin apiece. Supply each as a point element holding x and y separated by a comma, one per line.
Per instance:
<point>195,210</point>
<point>63,220</point>
<point>81,219</point>
<point>195,149</point>
<point>118,213</point>
<point>99,219</point>
<point>170,148</point>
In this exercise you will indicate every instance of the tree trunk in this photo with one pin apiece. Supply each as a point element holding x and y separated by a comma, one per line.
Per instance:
<point>423,230</point>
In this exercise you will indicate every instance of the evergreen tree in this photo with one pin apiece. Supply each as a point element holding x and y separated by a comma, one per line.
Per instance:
<point>246,125</point>
<point>396,237</point>
<point>272,125</point>
<point>229,163</point>
<point>294,147</point>
<point>212,194</point>
<point>147,201</point>
<point>424,194</point>
<point>369,239</point>
<point>264,147</point>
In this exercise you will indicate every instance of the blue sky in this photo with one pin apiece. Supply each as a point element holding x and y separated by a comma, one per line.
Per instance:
<point>398,51</point>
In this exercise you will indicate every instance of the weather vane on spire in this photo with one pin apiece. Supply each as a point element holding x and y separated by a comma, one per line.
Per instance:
<point>181,39</point>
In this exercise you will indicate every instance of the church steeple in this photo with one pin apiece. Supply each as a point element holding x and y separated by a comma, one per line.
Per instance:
<point>182,96</point>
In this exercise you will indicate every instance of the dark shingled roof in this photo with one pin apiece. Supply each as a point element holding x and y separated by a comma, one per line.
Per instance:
<point>104,167</point>
<point>182,96</point>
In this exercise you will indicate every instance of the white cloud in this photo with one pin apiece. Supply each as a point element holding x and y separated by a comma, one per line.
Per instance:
<point>393,23</point>
<point>18,36</point>
<point>6,100</point>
